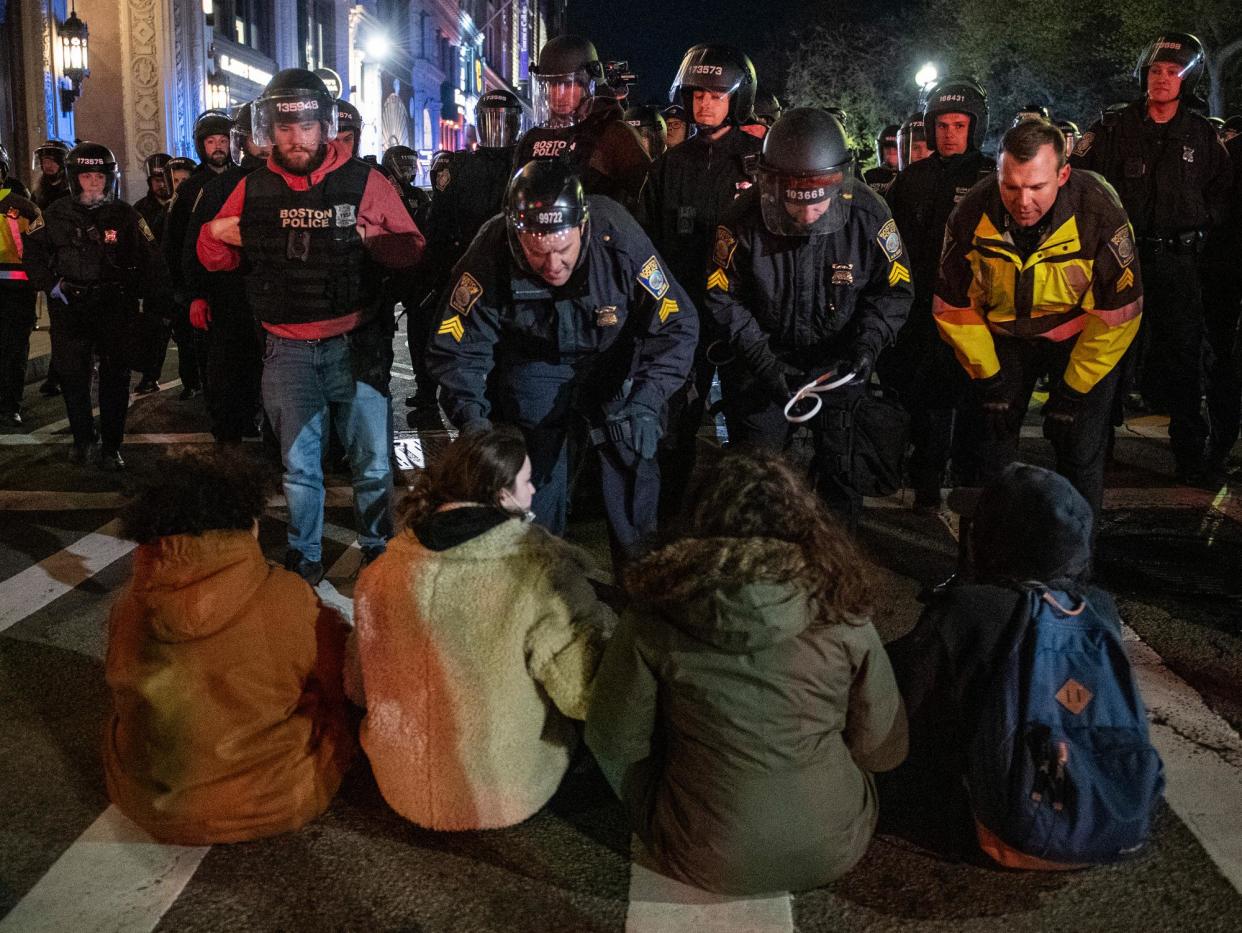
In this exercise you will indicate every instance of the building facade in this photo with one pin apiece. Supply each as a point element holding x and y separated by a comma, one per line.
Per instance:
<point>413,68</point>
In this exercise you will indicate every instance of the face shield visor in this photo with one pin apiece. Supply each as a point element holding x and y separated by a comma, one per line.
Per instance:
<point>803,205</point>
<point>1187,57</point>
<point>910,133</point>
<point>293,108</point>
<point>95,197</point>
<point>499,127</point>
<point>562,100</point>
<point>55,153</point>
<point>404,167</point>
<point>241,153</point>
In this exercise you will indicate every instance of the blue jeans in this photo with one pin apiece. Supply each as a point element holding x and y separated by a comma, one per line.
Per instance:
<point>302,381</point>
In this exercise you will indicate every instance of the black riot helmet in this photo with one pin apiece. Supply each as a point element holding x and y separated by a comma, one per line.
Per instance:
<point>88,157</point>
<point>349,120</point>
<point>153,165</point>
<point>243,133</point>
<point>294,95</point>
<point>178,164</point>
<point>544,200</point>
<point>910,132</point>
<point>883,139</point>
<point>767,107</point>
<point>649,123</point>
<point>1179,47</point>
<point>1069,129</point>
<point>211,123</point>
<point>956,94</point>
<point>721,69</point>
<point>565,61</point>
<point>52,149</point>
<point>1031,112</point>
<point>499,119</point>
<point>401,162</point>
<point>804,164</point>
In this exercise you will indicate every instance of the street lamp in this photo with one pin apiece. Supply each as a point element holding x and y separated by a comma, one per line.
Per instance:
<point>926,75</point>
<point>75,60</point>
<point>378,46</point>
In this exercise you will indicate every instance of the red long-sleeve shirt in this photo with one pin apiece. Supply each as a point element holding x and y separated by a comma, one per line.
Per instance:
<point>389,233</point>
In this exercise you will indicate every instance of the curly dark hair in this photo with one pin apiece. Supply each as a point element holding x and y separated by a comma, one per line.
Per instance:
<point>191,491</point>
<point>761,495</point>
<point>474,468</point>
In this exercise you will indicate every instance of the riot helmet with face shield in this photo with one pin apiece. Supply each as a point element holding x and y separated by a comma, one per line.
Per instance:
<point>294,96</point>
<point>717,70</point>
<point>649,123</point>
<point>89,158</point>
<point>1180,48</point>
<point>885,139</point>
<point>547,219</point>
<point>1031,112</point>
<point>565,80</point>
<point>956,94</point>
<point>802,170</point>
<point>500,119</point>
<point>911,142</point>
<point>246,152</point>
<point>349,121</point>
<point>53,150</point>
<point>401,162</point>
<point>213,123</point>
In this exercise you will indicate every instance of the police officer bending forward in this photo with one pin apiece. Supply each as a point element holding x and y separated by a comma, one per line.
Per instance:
<point>311,224</point>
<point>95,257</point>
<point>808,276</point>
<point>566,297</point>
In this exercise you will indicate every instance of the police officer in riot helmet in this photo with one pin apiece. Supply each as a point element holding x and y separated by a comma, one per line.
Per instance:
<point>885,170</point>
<point>911,142</point>
<point>212,141</point>
<point>1069,129</point>
<point>473,190</point>
<point>567,299</point>
<point>588,134</point>
<point>400,163</point>
<point>687,191</point>
<point>675,127</point>
<point>920,366</point>
<point>1031,112</point>
<point>176,172</point>
<point>95,258</point>
<point>1173,176</point>
<point>217,300</point>
<point>435,171</point>
<point>17,297</point>
<point>154,204</point>
<point>50,182</point>
<point>313,233</point>
<point>809,220</point>
<point>649,122</point>
<point>348,125</point>
<point>767,107</point>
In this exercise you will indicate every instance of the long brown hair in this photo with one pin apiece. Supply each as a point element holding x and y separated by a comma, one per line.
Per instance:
<point>759,495</point>
<point>474,468</point>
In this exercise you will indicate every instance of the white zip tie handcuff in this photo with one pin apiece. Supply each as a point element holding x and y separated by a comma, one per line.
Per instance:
<point>813,390</point>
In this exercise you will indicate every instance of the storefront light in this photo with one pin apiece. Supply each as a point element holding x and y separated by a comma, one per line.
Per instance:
<point>217,91</point>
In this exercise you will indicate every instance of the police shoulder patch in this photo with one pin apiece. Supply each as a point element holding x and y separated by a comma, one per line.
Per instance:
<point>465,293</point>
<point>36,224</point>
<point>726,243</point>
<point>652,278</point>
<point>889,240</point>
<point>1085,144</point>
<point>145,229</point>
<point>1121,244</point>
<point>443,179</point>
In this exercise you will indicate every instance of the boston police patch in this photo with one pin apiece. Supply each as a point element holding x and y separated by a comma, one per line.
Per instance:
<point>726,243</point>
<point>465,293</point>
<point>1121,244</point>
<point>1084,144</point>
<point>652,278</point>
<point>889,240</point>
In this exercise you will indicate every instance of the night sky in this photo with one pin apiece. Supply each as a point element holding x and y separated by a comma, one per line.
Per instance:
<point>653,34</point>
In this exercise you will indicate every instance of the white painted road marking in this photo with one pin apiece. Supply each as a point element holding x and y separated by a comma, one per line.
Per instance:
<point>113,879</point>
<point>30,590</point>
<point>661,905</point>
<point>41,440</point>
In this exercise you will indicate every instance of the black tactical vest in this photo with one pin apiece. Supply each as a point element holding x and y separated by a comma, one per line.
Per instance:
<point>307,261</point>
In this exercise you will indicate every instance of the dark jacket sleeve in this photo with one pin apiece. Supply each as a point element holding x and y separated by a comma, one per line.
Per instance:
<point>625,163</point>
<point>461,350</point>
<point>727,291</point>
<point>38,256</point>
<point>1217,191</point>
<point>206,206</point>
<point>154,283</point>
<point>173,236</point>
<point>884,303</point>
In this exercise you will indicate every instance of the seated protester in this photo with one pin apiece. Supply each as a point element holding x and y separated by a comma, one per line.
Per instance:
<point>228,717</point>
<point>478,635</point>
<point>746,694</point>
<point>971,658</point>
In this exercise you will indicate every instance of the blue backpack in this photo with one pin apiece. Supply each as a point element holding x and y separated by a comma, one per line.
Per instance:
<point>1060,771</point>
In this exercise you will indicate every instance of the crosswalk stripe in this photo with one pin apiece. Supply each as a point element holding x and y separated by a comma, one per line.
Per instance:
<point>658,904</point>
<point>38,440</point>
<point>30,590</point>
<point>114,877</point>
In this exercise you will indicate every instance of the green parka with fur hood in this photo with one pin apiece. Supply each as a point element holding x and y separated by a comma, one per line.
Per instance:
<point>737,726</point>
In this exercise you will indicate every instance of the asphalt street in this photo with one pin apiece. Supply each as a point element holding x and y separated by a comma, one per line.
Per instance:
<point>1170,554</point>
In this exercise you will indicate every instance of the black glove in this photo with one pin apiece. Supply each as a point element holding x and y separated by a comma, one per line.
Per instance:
<point>635,432</point>
<point>1060,412</point>
<point>994,403</point>
<point>782,380</point>
<point>862,363</point>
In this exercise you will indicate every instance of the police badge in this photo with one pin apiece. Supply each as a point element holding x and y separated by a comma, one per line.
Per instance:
<point>842,273</point>
<point>346,215</point>
<point>606,316</point>
<point>1188,153</point>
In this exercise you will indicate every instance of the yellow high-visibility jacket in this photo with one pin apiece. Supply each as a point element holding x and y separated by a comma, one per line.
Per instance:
<point>1081,283</point>
<point>19,214</point>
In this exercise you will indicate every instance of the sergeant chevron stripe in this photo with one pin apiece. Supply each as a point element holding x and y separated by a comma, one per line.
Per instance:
<point>452,327</point>
<point>668,307</point>
<point>719,280</point>
<point>898,273</point>
<point>1125,280</point>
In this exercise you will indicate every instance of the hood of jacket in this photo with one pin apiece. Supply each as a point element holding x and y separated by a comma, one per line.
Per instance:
<point>1032,525</point>
<point>192,586</point>
<point>337,155</point>
<point>737,594</point>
